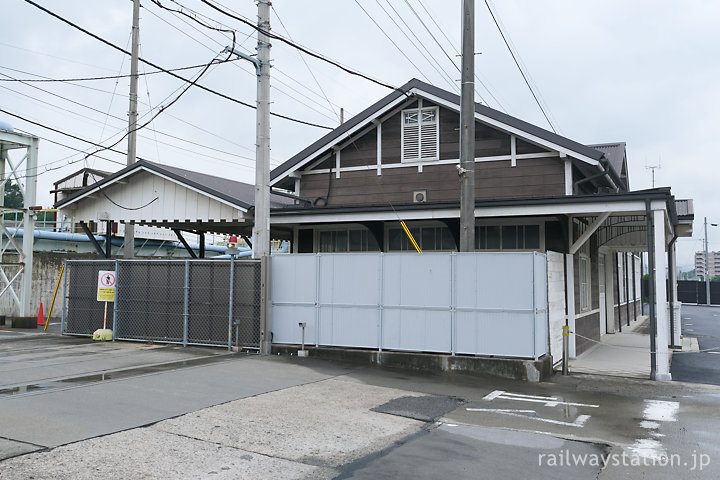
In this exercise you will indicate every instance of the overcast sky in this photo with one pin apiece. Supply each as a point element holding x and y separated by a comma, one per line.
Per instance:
<point>643,72</point>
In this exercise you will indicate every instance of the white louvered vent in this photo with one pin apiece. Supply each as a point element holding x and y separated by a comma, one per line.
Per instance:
<point>420,134</point>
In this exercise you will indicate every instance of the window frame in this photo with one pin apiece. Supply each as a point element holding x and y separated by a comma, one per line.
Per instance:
<point>419,112</point>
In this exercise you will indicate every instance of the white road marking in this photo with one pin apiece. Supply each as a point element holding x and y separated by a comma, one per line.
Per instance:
<point>547,401</point>
<point>499,410</point>
<point>649,425</point>
<point>660,410</point>
<point>579,421</point>
<point>689,330</point>
<point>688,324</point>
<point>648,448</point>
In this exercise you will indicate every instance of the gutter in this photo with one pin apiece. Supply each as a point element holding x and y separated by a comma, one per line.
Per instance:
<point>607,172</point>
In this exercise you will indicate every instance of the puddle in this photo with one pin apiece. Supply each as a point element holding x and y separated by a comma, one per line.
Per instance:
<point>115,375</point>
<point>20,390</point>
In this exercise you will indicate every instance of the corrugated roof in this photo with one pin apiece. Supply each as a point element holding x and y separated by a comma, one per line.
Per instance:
<point>685,208</point>
<point>369,114</point>
<point>237,193</point>
<point>615,153</point>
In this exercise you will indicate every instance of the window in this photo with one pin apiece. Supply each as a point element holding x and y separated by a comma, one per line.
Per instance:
<point>428,239</point>
<point>584,274</point>
<point>335,241</point>
<point>420,134</point>
<point>507,237</point>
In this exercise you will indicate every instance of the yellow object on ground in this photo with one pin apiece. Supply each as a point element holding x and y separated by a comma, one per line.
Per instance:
<point>103,334</point>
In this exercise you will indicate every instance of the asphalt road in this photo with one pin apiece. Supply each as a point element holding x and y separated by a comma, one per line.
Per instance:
<point>704,366</point>
<point>76,409</point>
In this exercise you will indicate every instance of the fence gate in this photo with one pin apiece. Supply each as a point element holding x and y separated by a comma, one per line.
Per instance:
<point>188,302</point>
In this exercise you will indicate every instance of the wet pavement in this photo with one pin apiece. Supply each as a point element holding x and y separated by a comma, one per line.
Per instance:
<point>120,410</point>
<point>701,322</point>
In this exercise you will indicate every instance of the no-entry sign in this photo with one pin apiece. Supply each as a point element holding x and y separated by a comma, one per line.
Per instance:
<point>106,286</point>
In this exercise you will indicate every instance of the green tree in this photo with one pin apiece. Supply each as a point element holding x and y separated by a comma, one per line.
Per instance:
<point>13,195</point>
<point>716,278</point>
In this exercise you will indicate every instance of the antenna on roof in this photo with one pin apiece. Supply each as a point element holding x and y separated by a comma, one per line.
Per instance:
<point>653,167</point>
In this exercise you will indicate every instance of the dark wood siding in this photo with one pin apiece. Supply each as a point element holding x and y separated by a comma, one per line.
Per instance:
<point>588,327</point>
<point>530,178</point>
<point>362,151</point>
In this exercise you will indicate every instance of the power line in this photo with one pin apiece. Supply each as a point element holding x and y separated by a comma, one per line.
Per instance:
<point>179,77</point>
<point>393,42</point>
<point>436,65</point>
<point>183,32</point>
<point>297,46</point>
<point>287,32</point>
<point>276,68</point>
<point>517,63</point>
<point>88,79</point>
<point>213,134</point>
<point>453,47</point>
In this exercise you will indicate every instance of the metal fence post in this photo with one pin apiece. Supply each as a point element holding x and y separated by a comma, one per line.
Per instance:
<point>381,299</point>
<point>453,303</point>
<point>317,300</point>
<point>64,297</point>
<point>230,301</point>
<point>117,296</point>
<point>186,311</point>
<point>265,275</point>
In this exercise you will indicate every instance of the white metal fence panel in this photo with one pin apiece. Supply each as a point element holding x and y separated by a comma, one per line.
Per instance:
<point>468,303</point>
<point>294,289</point>
<point>348,300</point>
<point>556,302</point>
<point>495,300</point>
<point>417,302</point>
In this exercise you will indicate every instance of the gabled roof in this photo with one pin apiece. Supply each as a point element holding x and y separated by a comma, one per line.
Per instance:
<point>617,156</point>
<point>236,193</point>
<point>416,87</point>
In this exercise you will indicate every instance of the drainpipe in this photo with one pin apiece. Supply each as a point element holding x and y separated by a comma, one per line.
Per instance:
<point>607,170</point>
<point>671,290</point>
<point>651,288</point>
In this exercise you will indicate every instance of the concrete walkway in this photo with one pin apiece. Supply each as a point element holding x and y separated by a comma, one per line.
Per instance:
<point>625,354</point>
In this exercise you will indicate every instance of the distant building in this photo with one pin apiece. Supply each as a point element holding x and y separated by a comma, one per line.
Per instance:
<point>713,264</point>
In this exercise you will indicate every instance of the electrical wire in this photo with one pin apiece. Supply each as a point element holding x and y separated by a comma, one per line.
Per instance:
<point>275,68</point>
<point>435,64</point>
<point>517,63</point>
<point>89,79</point>
<point>208,132</point>
<point>149,129</point>
<point>437,42</point>
<point>183,32</point>
<point>332,107</point>
<point>297,46</point>
<point>402,52</point>
<point>173,74</point>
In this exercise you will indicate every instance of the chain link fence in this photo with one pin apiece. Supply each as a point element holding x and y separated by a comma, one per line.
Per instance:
<point>189,302</point>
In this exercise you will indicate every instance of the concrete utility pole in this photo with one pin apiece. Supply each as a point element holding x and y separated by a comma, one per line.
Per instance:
<point>261,229</point>
<point>129,244</point>
<point>467,130</point>
<point>707,268</point>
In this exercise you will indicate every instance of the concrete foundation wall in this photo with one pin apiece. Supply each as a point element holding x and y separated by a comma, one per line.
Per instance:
<point>46,269</point>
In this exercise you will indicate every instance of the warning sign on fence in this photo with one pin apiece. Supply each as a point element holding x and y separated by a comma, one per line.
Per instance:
<point>106,286</point>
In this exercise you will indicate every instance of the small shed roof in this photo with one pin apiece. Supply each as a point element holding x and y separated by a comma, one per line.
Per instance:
<point>153,194</point>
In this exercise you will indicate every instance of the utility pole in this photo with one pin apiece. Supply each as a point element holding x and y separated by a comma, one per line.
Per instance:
<point>467,130</point>
<point>707,268</point>
<point>261,228</point>
<point>129,243</point>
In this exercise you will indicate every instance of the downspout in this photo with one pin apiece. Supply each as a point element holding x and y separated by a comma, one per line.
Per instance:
<point>671,290</point>
<point>607,170</point>
<point>651,288</point>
